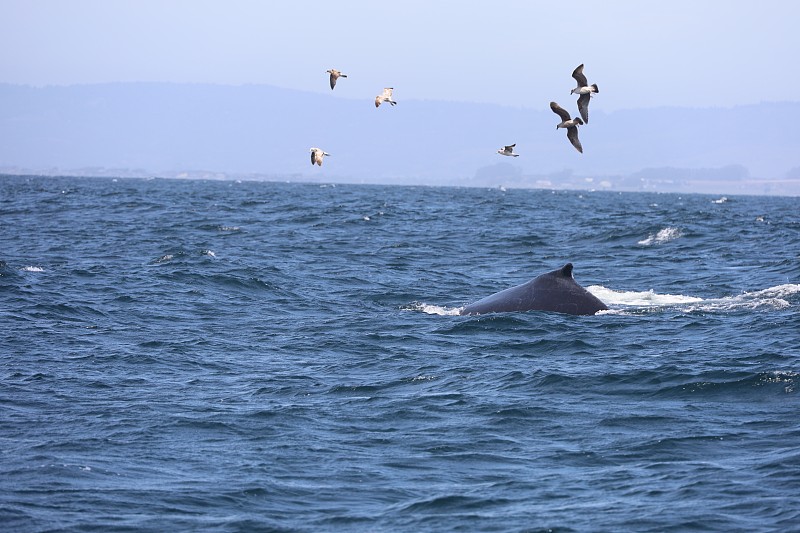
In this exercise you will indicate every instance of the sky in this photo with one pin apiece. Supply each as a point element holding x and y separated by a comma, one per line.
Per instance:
<point>695,53</point>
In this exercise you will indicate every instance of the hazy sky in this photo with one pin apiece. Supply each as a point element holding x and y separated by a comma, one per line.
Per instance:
<point>516,53</point>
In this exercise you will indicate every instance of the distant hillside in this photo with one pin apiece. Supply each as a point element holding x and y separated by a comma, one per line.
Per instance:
<point>267,131</point>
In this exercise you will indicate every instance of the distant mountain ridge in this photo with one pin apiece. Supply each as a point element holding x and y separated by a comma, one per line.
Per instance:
<point>162,128</point>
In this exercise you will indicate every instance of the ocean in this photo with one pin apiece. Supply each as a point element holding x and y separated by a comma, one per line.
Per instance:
<point>187,355</point>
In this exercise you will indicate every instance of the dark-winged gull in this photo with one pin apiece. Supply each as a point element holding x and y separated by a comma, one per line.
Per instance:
<point>335,74</point>
<point>386,96</point>
<point>570,124</point>
<point>508,150</point>
<point>317,155</point>
<point>585,91</point>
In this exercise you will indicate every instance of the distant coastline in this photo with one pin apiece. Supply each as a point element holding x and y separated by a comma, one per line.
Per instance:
<point>262,132</point>
<point>756,187</point>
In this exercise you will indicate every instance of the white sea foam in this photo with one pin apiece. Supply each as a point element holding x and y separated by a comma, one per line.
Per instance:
<point>663,235</point>
<point>625,301</point>
<point>720,201</point>
<point>639,298</point>
<point>32,269</point>
<point>771,298</point>
<point>434,309</point>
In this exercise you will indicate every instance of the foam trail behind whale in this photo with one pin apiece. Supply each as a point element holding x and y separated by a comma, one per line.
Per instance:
<point>621,302</point>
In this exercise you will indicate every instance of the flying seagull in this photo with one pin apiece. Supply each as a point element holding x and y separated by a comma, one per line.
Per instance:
<point>386,96</point>
<point>570,124</point>
<point>584,90</point>
<point>508,150</point>
<point>317,155</point>
<point>335,74</point>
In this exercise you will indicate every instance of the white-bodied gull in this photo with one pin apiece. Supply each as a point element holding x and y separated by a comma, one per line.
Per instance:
<point>317,155</point>
<point>386,96</point>
<point>585,91</point>
<point>508,150</point>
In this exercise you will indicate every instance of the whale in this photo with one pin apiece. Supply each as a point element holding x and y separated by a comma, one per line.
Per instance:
<point>555,291</point>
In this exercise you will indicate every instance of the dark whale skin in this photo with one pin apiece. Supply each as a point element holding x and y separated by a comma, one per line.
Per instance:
<point>555,291</point>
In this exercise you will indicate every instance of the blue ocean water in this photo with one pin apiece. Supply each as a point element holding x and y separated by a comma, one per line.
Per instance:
<point>252,356</point>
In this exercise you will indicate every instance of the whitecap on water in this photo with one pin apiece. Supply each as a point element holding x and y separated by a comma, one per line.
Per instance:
<point>663,235</point>
<point>639,298</point>
<point>433,309</point>
<point>771,298</point>
<point>32,269</point>
<point>622,301</point>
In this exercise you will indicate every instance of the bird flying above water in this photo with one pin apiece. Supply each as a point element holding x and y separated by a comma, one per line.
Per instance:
<point>386,96</point>
<point>335,74</point>
<point>571,125</point>
<point>585,92</point>
<point>317,155</point>
<point>508,150</point>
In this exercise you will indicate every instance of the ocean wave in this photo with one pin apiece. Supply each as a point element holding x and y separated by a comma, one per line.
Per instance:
<point>780,381</point>
<point>663,235</point>
<point>166,258</point>
<point>771,298</point>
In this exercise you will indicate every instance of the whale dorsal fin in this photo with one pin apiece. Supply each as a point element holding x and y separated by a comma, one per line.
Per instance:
<point>566,270</point>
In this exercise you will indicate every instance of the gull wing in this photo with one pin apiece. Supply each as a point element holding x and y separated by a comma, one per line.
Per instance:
<point>560,111</point>
<point>572,135</point>
<point>579,77</point>
<point>583,106</point>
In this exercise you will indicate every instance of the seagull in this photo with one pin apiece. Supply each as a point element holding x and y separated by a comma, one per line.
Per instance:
<point>508,150</point>
<point>335,76</point>
<point>584,90</point>
<point>386,96</point>
<point>570,125</point>
<point>317,155</point>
